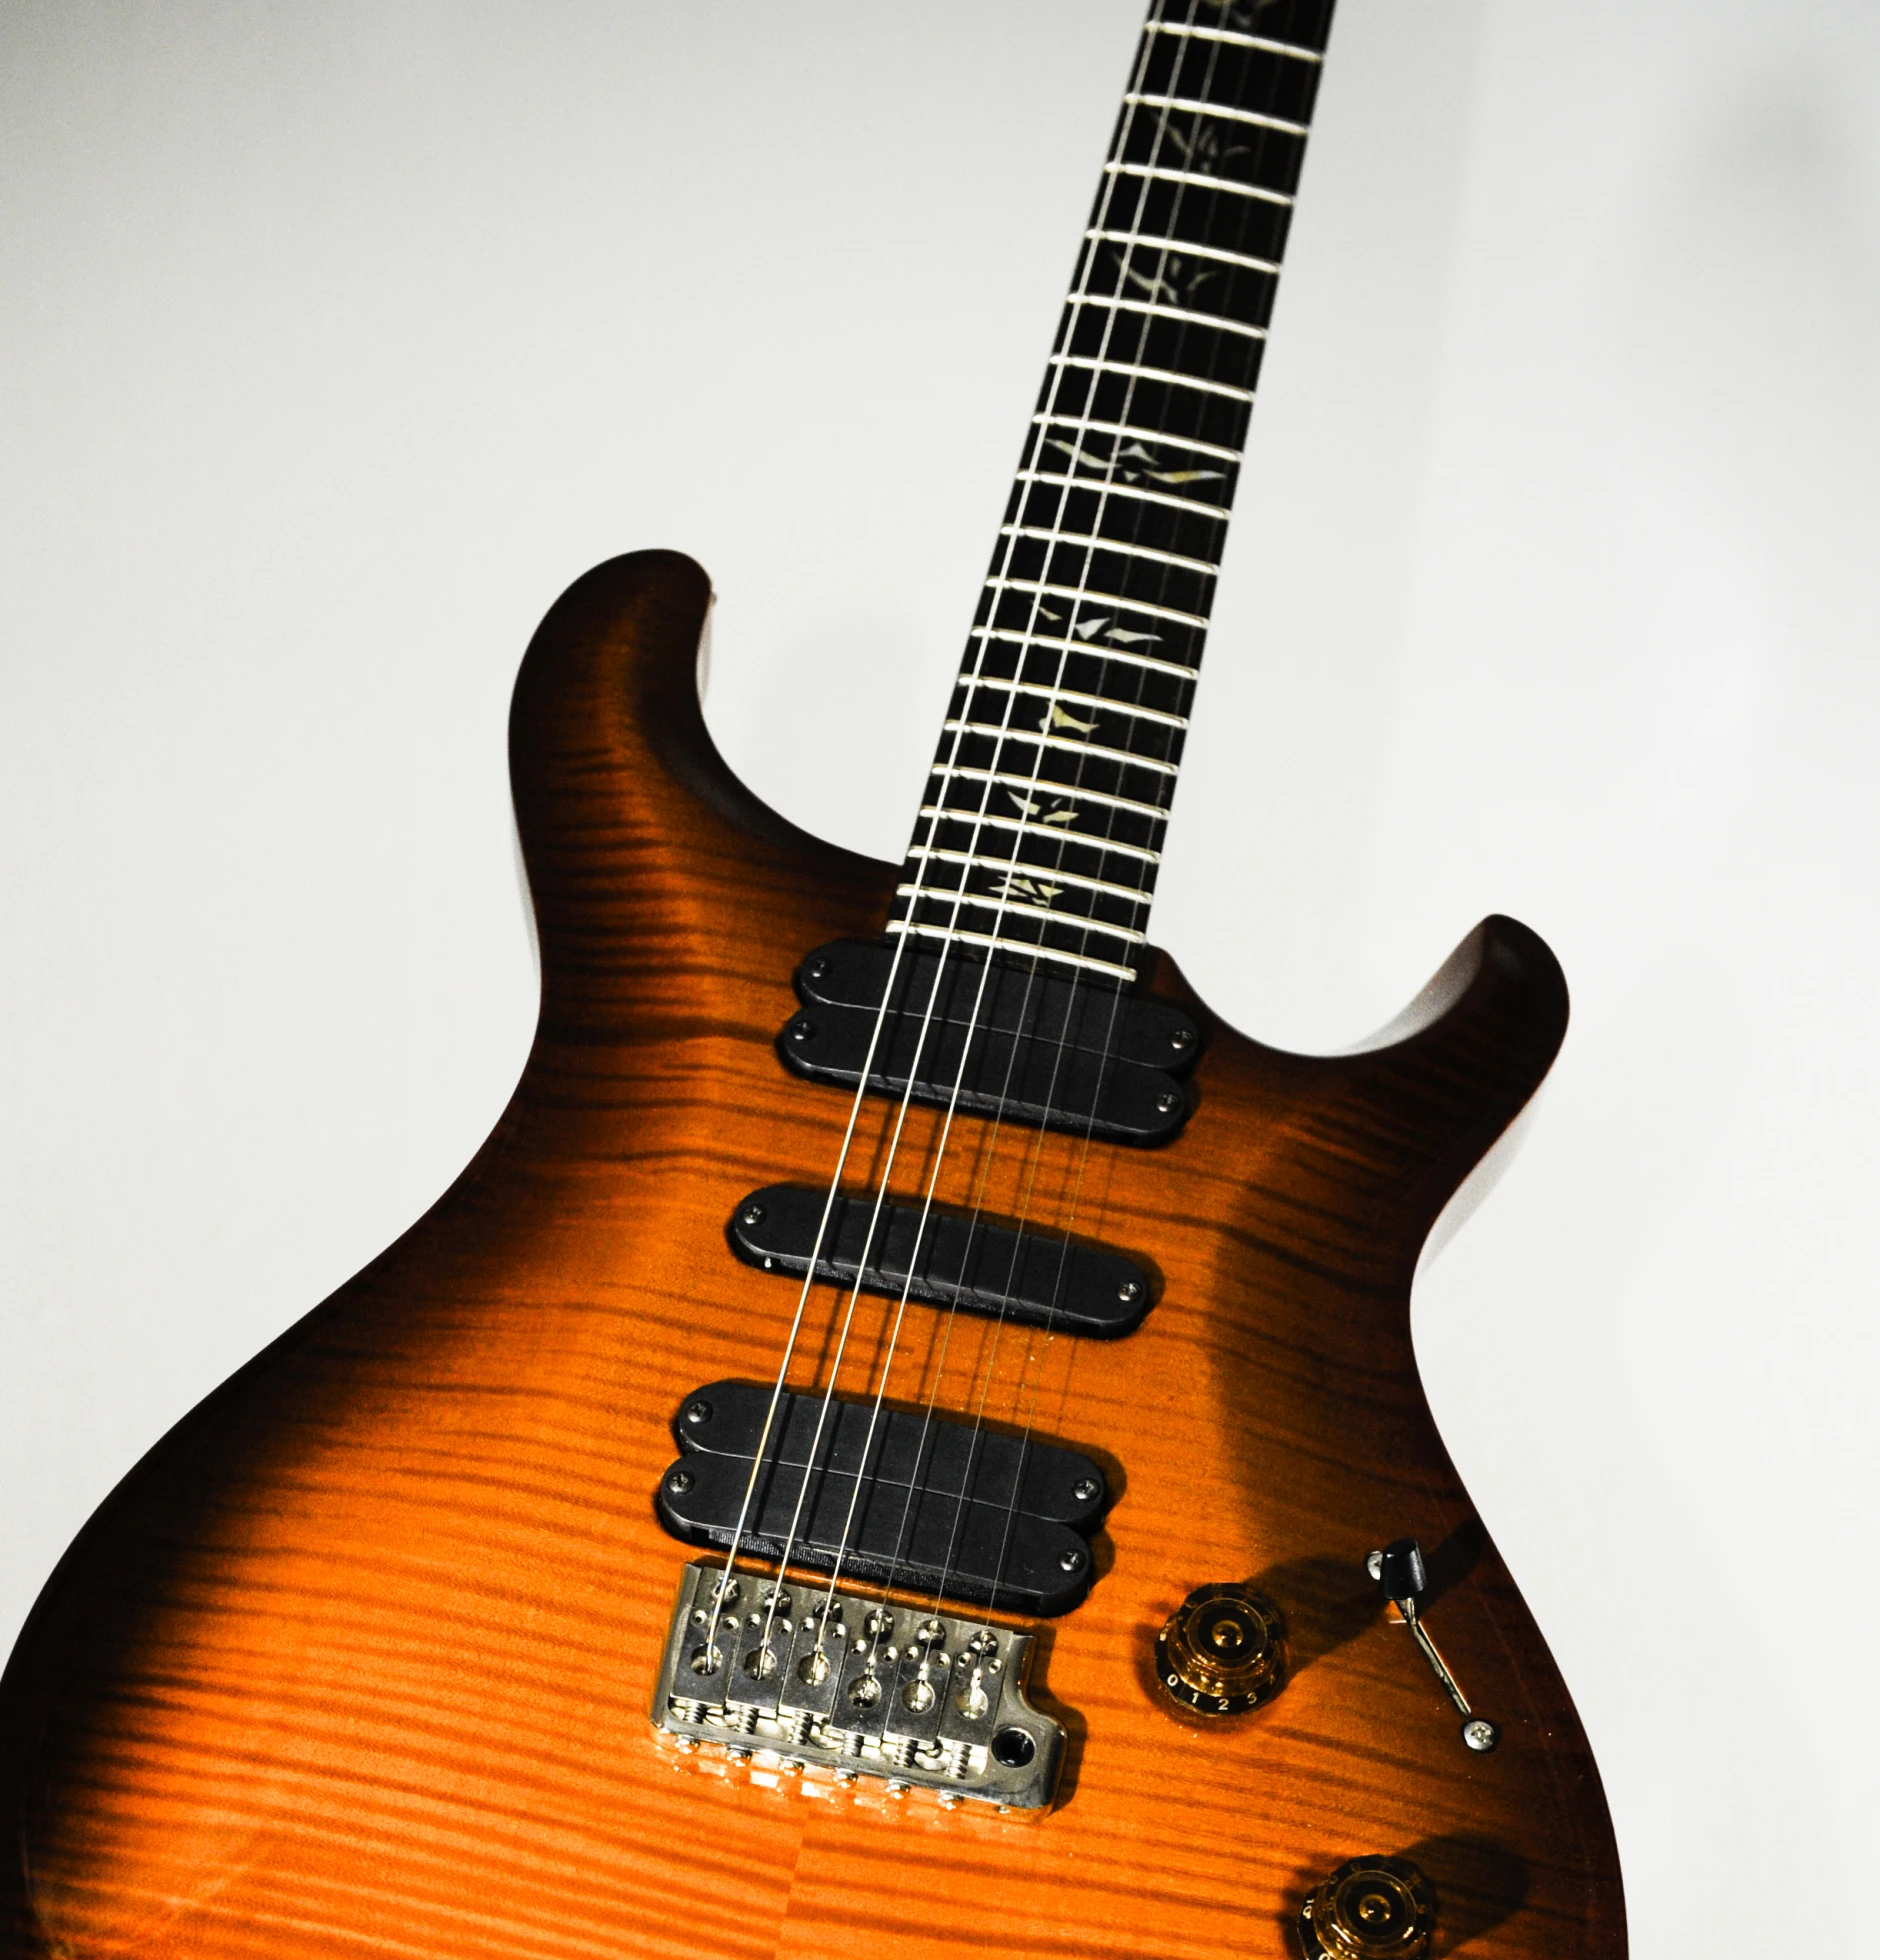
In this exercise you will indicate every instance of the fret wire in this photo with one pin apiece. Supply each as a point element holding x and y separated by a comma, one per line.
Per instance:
<point>1183,248</point>
<point>1149,552</point>
<point>1191,444</point>
<point>937,813</point>
<point>961,772</point>
<point>1187,315</point>
<point>1202,107</point>
<point>985,902</point>
<point>1062,743</point>
<point>1134,894</point>
<point>1129,659</point>
<point>1085,595</point>
<point>965,938</point>
<point>1258,42</point>
<point>1082,700</point>
<point>1108,487</point>
<point>1169,377</point>
<point>1162,174</point>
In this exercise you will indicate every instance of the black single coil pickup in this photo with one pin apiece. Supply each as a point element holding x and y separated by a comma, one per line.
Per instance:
<point>901,1497</point>
<point>960,1262</point>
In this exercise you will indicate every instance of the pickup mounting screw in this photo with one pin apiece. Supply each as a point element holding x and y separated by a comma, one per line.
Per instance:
<point>1084,1489</point>
<point>1129,1291</point>
<point>1168,1102</point>
<point>815,969</point>
<point>679,1482</point>
<point>1071,1559</point>
<point>751,1215</point>
<point>698,1412</point>
<point>802,1029</point>
<point>1180,1038</point>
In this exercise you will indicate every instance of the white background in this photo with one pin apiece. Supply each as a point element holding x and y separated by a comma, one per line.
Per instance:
<point>335,339</point>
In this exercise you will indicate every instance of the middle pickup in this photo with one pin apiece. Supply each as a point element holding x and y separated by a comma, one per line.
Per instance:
<point>955,1262</point>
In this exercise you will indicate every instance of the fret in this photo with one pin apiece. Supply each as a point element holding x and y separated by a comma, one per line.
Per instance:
<point>1226,112</point>
<point>1005,779</point>
<point>992,902</point>
<point>965,938</point>
<point>1002,867</point>
<point>1122,654</point>
<point>1204,566</point>
<point>1191,104</point>
<point>1182,247</point>
<point>1087,595</point>
<point>1205,180</point>
<point>1104,487</point>
<point>1167,376</point>
<point>1257,42</point>
<point>939,814</point>
<point>1187,316</point>
<point>1193,445</point>
<point>1075,697</point>
<point>1062,743</point>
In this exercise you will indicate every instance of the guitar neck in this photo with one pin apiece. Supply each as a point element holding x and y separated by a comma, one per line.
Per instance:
<point>1042,823</point>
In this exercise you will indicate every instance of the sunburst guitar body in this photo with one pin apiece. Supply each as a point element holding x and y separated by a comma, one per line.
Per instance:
<point>603,1573</point>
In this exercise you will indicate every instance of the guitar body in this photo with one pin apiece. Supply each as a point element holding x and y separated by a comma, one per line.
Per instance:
<point>360,1658</point>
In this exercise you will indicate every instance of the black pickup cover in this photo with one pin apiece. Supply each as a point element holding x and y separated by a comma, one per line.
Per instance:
<point>945,1507</point>
<point>1036,1045</point>
<point>968,1263</point>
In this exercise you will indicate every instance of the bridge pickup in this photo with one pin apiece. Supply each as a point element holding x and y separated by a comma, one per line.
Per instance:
<point>1031,1045</point>
<point>943,1507</point>
<point>986,1269</point>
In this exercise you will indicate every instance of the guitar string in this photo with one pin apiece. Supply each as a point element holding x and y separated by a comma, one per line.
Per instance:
<point>1079,294</point>
<point>1032,1376</point>
<point>995,584</point>
<point>1088,926</point>
<point>1084,1153</point>
<point>948,939</point>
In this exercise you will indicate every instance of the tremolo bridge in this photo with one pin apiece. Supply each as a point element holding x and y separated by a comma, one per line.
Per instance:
<point>855,1687</point>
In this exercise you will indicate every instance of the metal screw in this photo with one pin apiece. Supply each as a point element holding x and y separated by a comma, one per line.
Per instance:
<point>802,1030</point>
<point>679,1482</point>
<point>1168,1102</point>
<point>1071,1560</point>
<point>816,969</point>
<point>697,1412</point>
<point>1131,1289</point>
<point>1481,1736</point>
<point>751,1215</point>
<point>1374,1564</point>
<point>1084,1489</point>
<point>1180,1038</point>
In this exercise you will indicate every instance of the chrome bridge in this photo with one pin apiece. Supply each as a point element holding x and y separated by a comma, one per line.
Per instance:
<point>856,1686</point>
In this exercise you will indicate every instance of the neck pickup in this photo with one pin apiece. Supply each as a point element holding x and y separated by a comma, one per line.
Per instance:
<point>1008,1038</point>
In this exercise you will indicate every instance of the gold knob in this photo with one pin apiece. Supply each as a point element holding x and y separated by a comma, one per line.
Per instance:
<point>1223,1651</point>
<point>1370,1909</point>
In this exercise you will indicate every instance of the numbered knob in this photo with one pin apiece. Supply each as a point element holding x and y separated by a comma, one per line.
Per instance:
<point>1223,1651</point>
<point>1369,1909</point>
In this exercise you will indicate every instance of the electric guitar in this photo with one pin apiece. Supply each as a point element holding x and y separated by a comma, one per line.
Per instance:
<point>905,1440</point>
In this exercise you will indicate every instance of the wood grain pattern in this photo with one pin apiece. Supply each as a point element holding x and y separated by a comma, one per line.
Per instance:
<point>358,1660</point>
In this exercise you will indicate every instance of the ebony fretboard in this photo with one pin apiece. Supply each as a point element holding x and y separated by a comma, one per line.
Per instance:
<point>1041,829</point>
